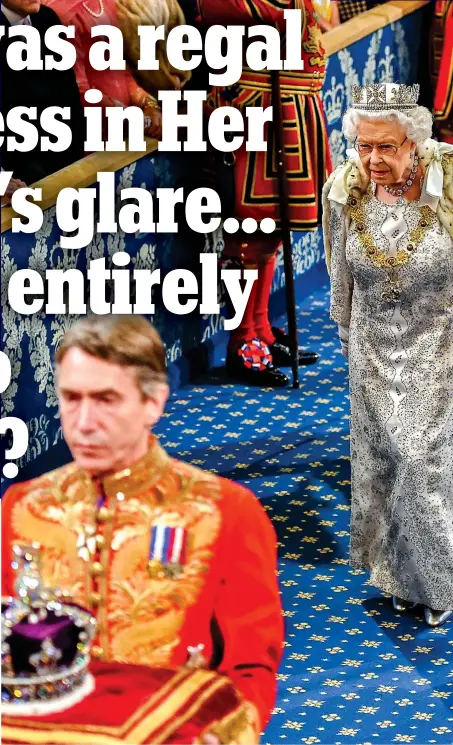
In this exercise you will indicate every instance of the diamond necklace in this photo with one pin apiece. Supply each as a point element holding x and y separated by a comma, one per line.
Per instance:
<point>408,184</point>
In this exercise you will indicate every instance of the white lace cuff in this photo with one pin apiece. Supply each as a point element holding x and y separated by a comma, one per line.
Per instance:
<point>343,333</point>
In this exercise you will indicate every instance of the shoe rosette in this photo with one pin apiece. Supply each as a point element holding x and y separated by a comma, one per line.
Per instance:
<point>45,647</point>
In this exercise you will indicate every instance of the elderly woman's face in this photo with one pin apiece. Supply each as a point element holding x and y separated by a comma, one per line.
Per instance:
<point>385,165</point>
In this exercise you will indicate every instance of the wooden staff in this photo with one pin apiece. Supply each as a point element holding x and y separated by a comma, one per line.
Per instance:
<point>291,312</point>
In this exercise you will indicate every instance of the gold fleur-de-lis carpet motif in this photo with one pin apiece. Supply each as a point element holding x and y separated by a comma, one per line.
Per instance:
<point>354,671</point>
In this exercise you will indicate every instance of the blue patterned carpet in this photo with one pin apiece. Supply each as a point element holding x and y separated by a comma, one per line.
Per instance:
<point>354,671</point>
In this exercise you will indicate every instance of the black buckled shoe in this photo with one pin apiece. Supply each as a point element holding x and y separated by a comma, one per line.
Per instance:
<point>252,363</point>
<point>281,351</point>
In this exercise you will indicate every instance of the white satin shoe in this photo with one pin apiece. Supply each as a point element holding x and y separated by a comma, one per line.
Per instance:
<point>437,617</point>
<point>401,605</point>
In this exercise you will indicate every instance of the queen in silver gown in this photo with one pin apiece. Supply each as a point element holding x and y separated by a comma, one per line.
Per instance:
<point>388,232</point>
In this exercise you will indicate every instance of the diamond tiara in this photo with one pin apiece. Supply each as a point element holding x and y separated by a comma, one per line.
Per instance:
<point>385,96</point>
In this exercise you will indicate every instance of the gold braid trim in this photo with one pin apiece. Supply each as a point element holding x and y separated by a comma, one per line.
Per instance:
<point>241,727</point>
<point>235,729</point>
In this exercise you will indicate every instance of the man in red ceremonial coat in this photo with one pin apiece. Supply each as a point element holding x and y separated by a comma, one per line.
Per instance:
<point>256,188</point>
<point>442,68</point>
<point>177,564</point>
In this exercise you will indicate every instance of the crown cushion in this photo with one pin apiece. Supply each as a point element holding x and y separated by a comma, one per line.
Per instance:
<point>175,706</point>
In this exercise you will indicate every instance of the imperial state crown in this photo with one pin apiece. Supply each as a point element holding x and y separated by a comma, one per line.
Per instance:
<point>45,644</point>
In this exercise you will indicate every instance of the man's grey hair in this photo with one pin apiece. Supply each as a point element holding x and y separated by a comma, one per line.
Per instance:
<point>124,340</point>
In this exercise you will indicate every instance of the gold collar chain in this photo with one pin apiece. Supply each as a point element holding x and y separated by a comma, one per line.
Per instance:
<point>376,255</point>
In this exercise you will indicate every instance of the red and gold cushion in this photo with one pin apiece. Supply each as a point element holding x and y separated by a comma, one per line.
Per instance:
<point>138,704</point>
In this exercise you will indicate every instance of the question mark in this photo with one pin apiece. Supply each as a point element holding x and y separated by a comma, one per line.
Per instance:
<point>12,423</point>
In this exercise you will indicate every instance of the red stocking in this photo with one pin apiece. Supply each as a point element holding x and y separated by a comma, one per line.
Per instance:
<point>264,286</point>
<point>254,253</point>
<point>246,330</point>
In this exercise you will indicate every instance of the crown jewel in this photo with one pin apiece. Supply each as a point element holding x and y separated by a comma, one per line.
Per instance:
<point>45,644</point>
<point>385,96</point>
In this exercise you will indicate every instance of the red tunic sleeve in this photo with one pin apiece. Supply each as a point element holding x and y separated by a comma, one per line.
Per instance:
<point>248,609</point>
<point>138,96</point>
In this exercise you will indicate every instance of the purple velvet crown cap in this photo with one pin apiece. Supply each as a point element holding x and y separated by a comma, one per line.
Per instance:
<point>25,641</point>
<point>45,656</point>
<point>45,647</point>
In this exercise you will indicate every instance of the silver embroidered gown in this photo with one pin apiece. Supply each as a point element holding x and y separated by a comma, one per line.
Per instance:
<point>401,390</point>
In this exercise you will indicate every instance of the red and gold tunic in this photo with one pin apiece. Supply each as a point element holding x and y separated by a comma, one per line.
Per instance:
<point>442,45</point>
<point>226,597</point>
<point>307,155</point>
